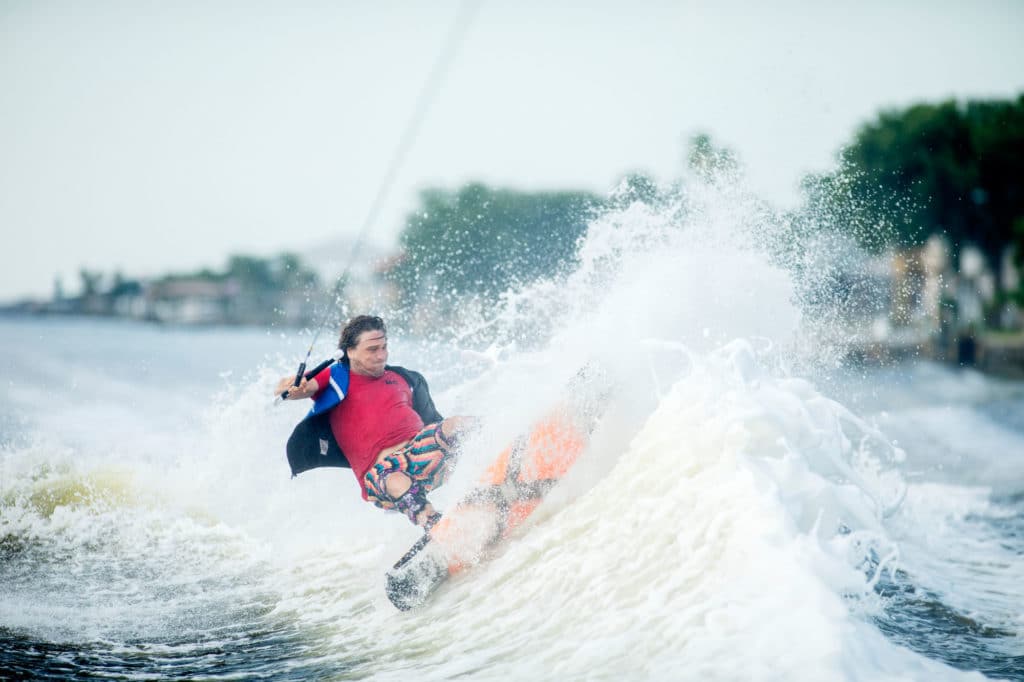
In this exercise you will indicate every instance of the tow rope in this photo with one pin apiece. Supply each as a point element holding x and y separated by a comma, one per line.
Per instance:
<point>460,27</point>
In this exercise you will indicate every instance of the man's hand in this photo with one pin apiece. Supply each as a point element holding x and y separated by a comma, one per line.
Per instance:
<point>305,389</point>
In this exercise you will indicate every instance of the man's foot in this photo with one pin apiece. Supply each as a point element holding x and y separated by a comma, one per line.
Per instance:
<point>424,516</point>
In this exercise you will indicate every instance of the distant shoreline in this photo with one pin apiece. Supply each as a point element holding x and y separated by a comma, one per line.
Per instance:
<point>997,354</point>
<point>16,315</point>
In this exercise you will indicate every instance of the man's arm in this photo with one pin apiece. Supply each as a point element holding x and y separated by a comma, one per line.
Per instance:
<point>307,388</point>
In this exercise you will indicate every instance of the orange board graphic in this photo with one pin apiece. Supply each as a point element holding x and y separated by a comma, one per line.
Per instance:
<point>508,493</point>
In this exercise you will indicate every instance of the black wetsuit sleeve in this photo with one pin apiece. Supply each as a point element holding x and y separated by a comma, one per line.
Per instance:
<point>424,404</point>
<point>312,445</point>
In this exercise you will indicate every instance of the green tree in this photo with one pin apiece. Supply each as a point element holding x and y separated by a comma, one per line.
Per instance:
<point>637,187</point>
<point>291,274</point>
<point>942,168</point>
<point>481,241</point>
<point>90,281</point>
<point>283,272</point>
<point>251,272</point>
<point>122,286</point>
<point>708,160</point>
<point>997,138</point>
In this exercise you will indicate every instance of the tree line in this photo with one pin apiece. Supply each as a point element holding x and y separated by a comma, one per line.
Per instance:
<point>949,168</point>
<point>256,274</point>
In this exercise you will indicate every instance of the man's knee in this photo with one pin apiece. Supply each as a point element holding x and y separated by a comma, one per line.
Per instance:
<point>462,424</point>
<point>397,484</point>
<point>413,503</point>
<point>455,428</point>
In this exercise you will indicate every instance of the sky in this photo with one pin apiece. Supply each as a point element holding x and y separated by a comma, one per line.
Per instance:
<point>149,137</point>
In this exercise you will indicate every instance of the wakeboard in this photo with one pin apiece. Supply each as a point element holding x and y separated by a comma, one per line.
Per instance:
<point>506,495</point>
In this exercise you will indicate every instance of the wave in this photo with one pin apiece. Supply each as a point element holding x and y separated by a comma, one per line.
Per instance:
<point>729,521</point>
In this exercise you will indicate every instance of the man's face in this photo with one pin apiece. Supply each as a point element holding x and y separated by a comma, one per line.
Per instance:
<point>370,353</point>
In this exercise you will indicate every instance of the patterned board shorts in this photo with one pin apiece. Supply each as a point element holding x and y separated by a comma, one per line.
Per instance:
<point>427,458</point>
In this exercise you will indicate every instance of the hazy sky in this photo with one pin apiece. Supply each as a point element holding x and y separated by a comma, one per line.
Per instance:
<point>150,136</point>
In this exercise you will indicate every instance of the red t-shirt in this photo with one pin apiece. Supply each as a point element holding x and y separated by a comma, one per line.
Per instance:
<point>375,414</point>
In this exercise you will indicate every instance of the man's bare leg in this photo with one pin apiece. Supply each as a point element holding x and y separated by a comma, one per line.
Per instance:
<point>398,484</point>
<point>459,426</point>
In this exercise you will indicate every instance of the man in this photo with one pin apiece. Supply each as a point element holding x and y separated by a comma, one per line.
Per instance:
<point>377,420</point>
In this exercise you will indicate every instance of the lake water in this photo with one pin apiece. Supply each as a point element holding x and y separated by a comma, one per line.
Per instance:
<point>739,514</point>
